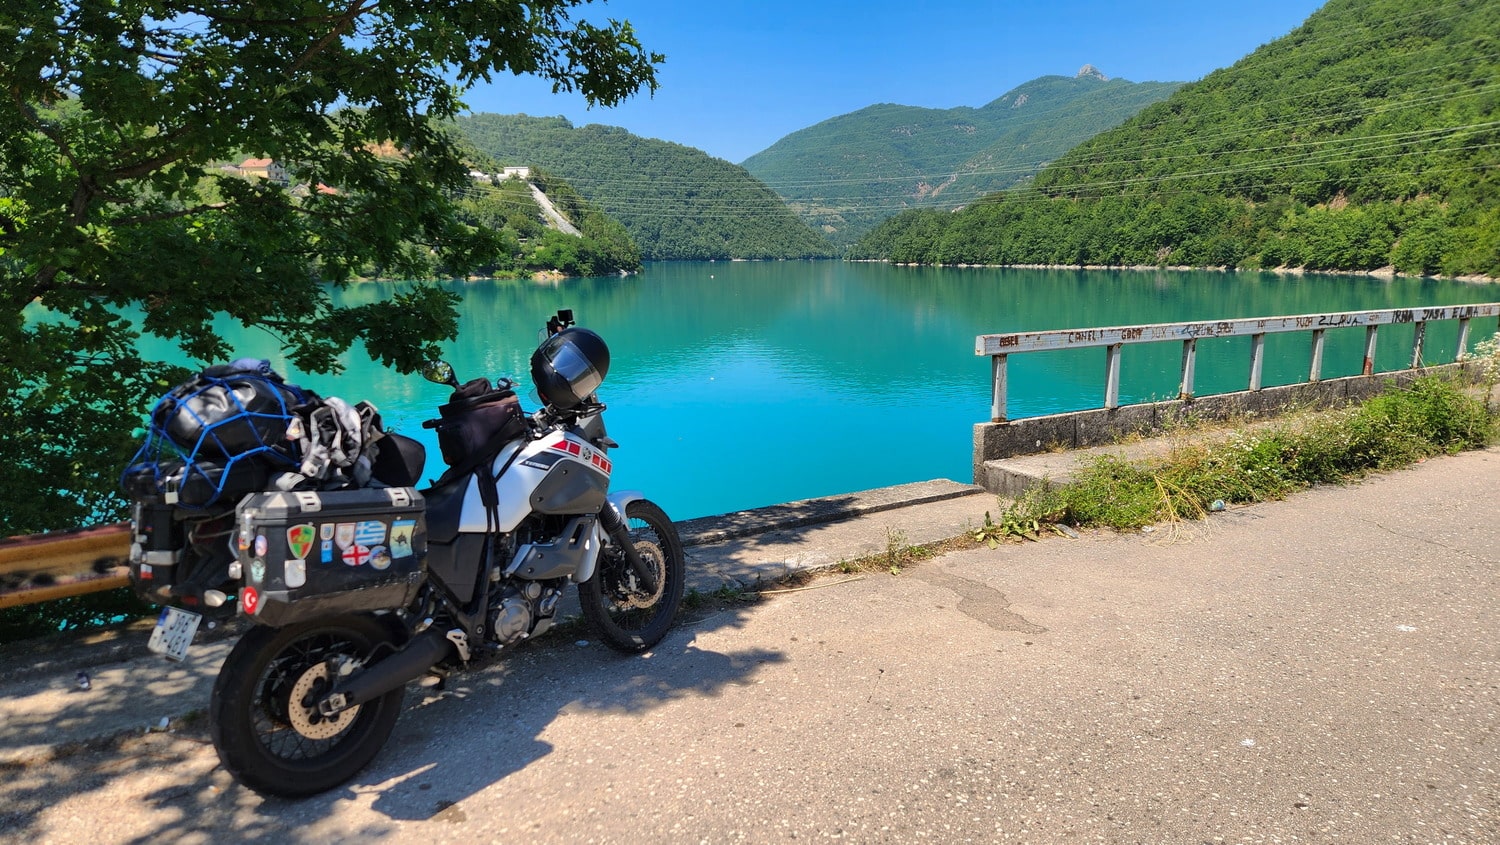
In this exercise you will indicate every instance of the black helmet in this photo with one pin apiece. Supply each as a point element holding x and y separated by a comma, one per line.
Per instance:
<point>569,366</point>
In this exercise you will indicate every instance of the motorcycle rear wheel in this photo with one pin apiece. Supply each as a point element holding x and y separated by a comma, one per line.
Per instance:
<point>266,733</point>
<point>623,615</point>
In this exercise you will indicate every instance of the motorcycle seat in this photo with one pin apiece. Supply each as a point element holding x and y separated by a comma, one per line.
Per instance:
<point>445,505</point>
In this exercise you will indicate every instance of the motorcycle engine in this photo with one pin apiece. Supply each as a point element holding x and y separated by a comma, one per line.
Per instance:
<point>523,609</point>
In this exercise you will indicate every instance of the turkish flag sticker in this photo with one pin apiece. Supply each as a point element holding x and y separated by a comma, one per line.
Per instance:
<point>250,600</point>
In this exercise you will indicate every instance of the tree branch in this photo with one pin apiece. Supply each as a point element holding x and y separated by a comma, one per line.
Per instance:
<point>26,109</point>
<point>140,219</point>
<point>340,26</point>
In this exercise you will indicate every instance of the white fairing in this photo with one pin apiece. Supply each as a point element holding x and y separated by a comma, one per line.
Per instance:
<point>523,473</point>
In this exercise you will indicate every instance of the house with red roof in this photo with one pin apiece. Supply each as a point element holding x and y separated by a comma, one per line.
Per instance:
<point>264,168</point>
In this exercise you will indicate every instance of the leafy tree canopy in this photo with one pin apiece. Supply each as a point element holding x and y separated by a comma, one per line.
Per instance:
<point>116,214</point>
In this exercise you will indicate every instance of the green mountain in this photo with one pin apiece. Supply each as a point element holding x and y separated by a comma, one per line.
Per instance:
<point>1367,138</point>
<point>848,173</point>
<point>676,203</point>
<point>525,240</point>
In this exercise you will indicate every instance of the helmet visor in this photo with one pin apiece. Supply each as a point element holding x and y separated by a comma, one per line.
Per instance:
<point>576,369</point>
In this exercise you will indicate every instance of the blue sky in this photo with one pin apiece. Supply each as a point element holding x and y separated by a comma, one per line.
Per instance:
<point>741,75</point>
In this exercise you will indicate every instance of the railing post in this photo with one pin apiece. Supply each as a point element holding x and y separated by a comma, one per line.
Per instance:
<point>1416,345</point>
<point>1315,372</point>
<point>1463,338</point>
<point>1112,376</point>
<point>1371,333</point>
<point>997,389</point>
<point>1257,359</point>
<point>1189,364</point>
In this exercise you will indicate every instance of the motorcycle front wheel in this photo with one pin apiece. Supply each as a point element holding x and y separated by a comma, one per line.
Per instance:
<point>262,716</point>
<point>626,617</point>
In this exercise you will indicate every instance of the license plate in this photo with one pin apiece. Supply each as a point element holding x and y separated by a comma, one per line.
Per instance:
<point>174,633</point>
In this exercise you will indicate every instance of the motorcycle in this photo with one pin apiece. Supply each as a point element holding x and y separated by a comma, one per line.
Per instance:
<point>359,583</point>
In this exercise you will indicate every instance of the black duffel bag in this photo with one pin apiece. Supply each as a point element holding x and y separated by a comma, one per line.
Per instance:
<point>477,417</point>
<point>218,436</point>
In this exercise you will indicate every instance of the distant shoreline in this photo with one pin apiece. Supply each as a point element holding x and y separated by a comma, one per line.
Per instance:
<point>1379,273</point>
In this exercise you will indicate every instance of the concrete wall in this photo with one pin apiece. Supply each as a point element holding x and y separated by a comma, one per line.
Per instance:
<point>1081,429</point>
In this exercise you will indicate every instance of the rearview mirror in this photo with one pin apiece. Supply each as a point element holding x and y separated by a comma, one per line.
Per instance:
<point>440,372</point>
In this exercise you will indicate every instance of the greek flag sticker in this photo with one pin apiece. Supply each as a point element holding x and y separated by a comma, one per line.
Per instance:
<point>371,532</point>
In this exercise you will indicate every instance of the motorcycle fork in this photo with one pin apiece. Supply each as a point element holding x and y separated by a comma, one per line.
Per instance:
<point>619,533</point>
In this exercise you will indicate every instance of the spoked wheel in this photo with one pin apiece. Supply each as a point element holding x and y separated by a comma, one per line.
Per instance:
<point>627,617</point>
<point>263,714</point>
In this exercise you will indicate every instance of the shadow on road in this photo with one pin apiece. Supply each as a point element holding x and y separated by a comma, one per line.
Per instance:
<point>485,726</point>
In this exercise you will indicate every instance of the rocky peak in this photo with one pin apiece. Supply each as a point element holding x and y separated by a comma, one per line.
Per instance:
<point>1091,72</point>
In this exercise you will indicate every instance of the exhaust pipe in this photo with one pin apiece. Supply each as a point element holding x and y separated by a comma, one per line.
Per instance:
<point>377,679</point>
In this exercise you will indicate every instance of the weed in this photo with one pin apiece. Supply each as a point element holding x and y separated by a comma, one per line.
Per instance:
<point>900,554</point>
<point>1487,352</point>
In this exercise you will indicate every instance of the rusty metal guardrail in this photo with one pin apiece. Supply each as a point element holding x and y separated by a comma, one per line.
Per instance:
<point>43,567</point>
<point>1000,346</point>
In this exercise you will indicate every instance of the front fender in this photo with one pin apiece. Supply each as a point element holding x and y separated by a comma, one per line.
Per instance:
<point>619,499</point>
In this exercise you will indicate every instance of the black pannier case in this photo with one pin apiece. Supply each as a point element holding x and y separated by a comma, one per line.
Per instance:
<point>309,554</point>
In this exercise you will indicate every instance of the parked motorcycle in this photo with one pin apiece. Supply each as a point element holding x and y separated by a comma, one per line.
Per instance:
<point>253,497</point>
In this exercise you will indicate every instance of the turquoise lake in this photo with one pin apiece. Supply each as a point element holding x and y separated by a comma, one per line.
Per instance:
<point>740,384</point>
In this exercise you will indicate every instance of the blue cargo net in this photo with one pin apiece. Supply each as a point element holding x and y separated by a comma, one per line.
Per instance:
<point>215,439</point>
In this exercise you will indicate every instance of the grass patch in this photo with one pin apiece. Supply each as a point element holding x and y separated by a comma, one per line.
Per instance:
<point>897,556</point>
<point>729,595</point>
<point>1432,416</point>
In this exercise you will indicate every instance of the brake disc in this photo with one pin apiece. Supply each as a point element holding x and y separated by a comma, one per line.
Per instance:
<point>306,720</point>
<point>630,594</point>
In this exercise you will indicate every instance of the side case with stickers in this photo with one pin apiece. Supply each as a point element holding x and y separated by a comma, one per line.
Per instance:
<point>310,554</point>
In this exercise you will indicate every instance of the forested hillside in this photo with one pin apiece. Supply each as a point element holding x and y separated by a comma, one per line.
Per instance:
<point>677,203</point>
<point>1367,138</point>
<point>848,173</point>
<point>525,244</point>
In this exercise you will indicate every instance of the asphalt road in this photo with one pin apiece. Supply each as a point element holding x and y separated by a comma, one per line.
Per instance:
<point>1325,669</point>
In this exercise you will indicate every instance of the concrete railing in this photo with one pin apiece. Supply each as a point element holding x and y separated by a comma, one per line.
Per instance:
<point>1003,437</point>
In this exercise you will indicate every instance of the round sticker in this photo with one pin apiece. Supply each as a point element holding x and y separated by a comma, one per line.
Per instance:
<point>380,558</point>
<point>251,600</point>
<point>257,571</point>
<point>356,555</point>
<point>260,545</point>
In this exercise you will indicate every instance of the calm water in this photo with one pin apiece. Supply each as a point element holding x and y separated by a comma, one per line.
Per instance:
<point>735,385</point>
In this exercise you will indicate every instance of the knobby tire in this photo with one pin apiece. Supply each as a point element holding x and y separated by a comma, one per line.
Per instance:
<point>249,709</point>
<point>610,604</point>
